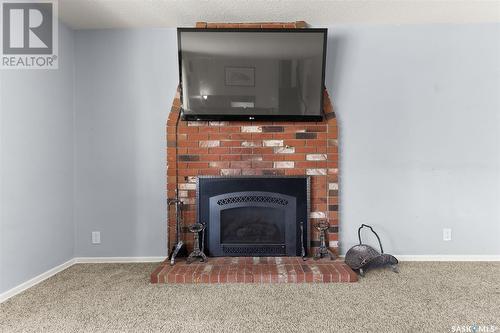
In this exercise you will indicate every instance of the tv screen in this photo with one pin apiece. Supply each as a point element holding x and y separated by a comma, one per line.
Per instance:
<point>252,74</point>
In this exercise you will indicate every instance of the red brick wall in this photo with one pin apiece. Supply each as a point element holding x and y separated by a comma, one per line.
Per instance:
<point>231,148</point>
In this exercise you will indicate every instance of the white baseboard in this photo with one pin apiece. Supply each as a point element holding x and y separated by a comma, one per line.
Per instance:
<point>110,260</point>
<point>445,257</point>
<point>450,257</point>
<point>34,281</point>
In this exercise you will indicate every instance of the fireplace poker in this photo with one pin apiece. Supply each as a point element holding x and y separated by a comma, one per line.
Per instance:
<point>179,249</point>
<point>302,248</point>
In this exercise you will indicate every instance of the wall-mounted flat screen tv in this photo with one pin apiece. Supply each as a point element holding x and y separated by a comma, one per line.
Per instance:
<point>252,74</point>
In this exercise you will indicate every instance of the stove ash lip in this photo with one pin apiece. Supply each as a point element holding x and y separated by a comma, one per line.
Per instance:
<point>290,194</point>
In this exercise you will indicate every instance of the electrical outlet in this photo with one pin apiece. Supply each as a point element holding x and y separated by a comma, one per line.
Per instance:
<point>446,234</point>
<point>96,237</point>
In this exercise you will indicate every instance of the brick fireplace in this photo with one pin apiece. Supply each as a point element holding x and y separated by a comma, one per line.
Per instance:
<point>254,148</point>
<point>236,148</point>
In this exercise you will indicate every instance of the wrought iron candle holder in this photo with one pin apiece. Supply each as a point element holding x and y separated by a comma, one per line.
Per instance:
<point>196,229</point>
<point>323,250</point>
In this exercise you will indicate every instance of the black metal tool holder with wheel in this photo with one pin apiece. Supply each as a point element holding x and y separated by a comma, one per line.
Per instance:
<point>323,250</point>
<point>196,229</point>
<point>179,248</point>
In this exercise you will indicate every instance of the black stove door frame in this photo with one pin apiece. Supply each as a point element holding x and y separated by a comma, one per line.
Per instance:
<point>232,200</point>
<point>295,186</point>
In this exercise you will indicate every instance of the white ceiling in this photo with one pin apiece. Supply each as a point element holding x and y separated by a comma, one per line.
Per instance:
<point>92,14</point>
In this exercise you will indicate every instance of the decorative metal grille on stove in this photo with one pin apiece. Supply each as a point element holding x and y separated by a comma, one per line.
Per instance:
<point>252,198</point>
<point>253,250</point>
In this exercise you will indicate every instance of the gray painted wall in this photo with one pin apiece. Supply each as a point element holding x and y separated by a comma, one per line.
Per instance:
<point>418,108</point>
<point>125,82</point>
<point>36,214</point>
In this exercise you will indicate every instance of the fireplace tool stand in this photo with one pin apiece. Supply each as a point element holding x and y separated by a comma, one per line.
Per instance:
<point>323,250</point>
<point>179,248</point>
<point>196,229</point>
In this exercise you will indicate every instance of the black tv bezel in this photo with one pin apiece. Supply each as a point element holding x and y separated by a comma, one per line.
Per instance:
<point>219,117</point>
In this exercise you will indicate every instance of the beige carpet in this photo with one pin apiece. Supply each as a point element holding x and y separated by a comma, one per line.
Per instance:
<point>423,297</point>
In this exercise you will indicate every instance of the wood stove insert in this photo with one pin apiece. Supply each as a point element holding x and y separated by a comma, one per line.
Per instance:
<point>254,216</point>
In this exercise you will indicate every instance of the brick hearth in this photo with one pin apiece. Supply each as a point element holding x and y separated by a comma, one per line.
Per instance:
<point>255,270</point>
